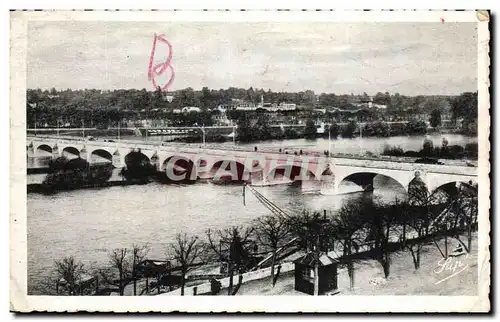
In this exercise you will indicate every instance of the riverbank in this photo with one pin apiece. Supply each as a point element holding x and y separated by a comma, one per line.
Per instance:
<point>45,189</point>
<point>429,279</point>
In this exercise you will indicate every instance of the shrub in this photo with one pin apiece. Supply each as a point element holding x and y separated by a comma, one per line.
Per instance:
<point>415,127</point>
<point>398,129</point>
<point>310,132</point>
<point>411,154</point>
<point>427,147</point>
<point>377,128</point>
<point>393,151</point>
<point>349,129</point>
<point>471,150</point>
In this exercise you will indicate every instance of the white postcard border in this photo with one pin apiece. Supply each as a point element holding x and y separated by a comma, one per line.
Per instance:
<point>19,301</point>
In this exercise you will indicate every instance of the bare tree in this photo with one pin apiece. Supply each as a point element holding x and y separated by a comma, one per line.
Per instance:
<point>231,246</point>
<point>460,214</point>
<point>417,221</point>
<point>139,253</point>
<point>313,231</point>
<point>309,227</point>
<point>186,252</point>
<point>119,271</point>
<point>347,225</point>
<point>69,273</point>
<point>272,232</point>
<point>382,226</point>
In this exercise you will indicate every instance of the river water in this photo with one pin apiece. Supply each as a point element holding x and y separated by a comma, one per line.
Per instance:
<point>89,223</point>
<point>351,146</point>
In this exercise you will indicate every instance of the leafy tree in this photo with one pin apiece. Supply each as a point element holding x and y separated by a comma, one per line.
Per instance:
<point>350,129</point>
<point>415,127</point>
<point>435,119</point>
<point>377,128</point>
<point>158,101</point>
<point>334,130</point>
<point>428,147</point>
<point>262,128</point>
<point>465,108</point>
<point>290,133</point>
<point>207,100</point>
<point>310,131</point>
<point>244,131</point>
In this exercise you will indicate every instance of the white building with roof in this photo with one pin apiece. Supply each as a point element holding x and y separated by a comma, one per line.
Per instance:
<point>189,109</point>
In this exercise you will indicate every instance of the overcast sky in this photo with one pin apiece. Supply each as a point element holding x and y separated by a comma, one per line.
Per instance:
<point>409,58</point>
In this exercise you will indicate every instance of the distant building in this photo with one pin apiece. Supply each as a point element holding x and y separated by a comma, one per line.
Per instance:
<point>168,98</point>
<point>240,105</point>
<point>246,107</point>
<point>189,109</point>
<point>223,108</point>
<point>379,106</point>
<point>287,106</point>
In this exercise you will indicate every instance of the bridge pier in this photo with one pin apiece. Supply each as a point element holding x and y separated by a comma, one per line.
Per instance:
<point>257,177</point>
<point>55,151</point>
<point>328,184</point>
<point>83,153</point>
<point>310,186</point>
<point>118,160</point>
<point>155,160</point>
<point>30,151</point>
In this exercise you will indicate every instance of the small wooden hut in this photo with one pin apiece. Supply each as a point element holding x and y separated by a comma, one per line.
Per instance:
<point>304,273</point>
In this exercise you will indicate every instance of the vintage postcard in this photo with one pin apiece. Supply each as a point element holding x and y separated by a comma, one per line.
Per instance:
<point>271,161</point>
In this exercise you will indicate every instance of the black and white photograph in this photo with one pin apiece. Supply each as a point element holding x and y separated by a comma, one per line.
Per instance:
<point>238,153</point>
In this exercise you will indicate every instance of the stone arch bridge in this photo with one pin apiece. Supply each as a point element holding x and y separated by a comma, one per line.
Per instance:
<point>183,162</point>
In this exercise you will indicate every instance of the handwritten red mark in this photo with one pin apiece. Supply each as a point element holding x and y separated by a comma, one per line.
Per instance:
<point>159,69</point>
<point>442,20</point>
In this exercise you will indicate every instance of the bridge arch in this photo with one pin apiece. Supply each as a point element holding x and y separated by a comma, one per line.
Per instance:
<point>70,152</point>
<point>179,166</point>
<point>367,181</point>
<point>137,157</point>
<point>44,149</point>
<point>100,156</point>
<point>452,188</point>
<point>228,170</point>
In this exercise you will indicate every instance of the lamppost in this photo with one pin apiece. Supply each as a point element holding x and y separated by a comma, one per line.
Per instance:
<point>329,141</point>
<point>234,133</point>
<point>83,125</point>
<point>119,122</point>
<point>360,139</point>
<point>202,128</point>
